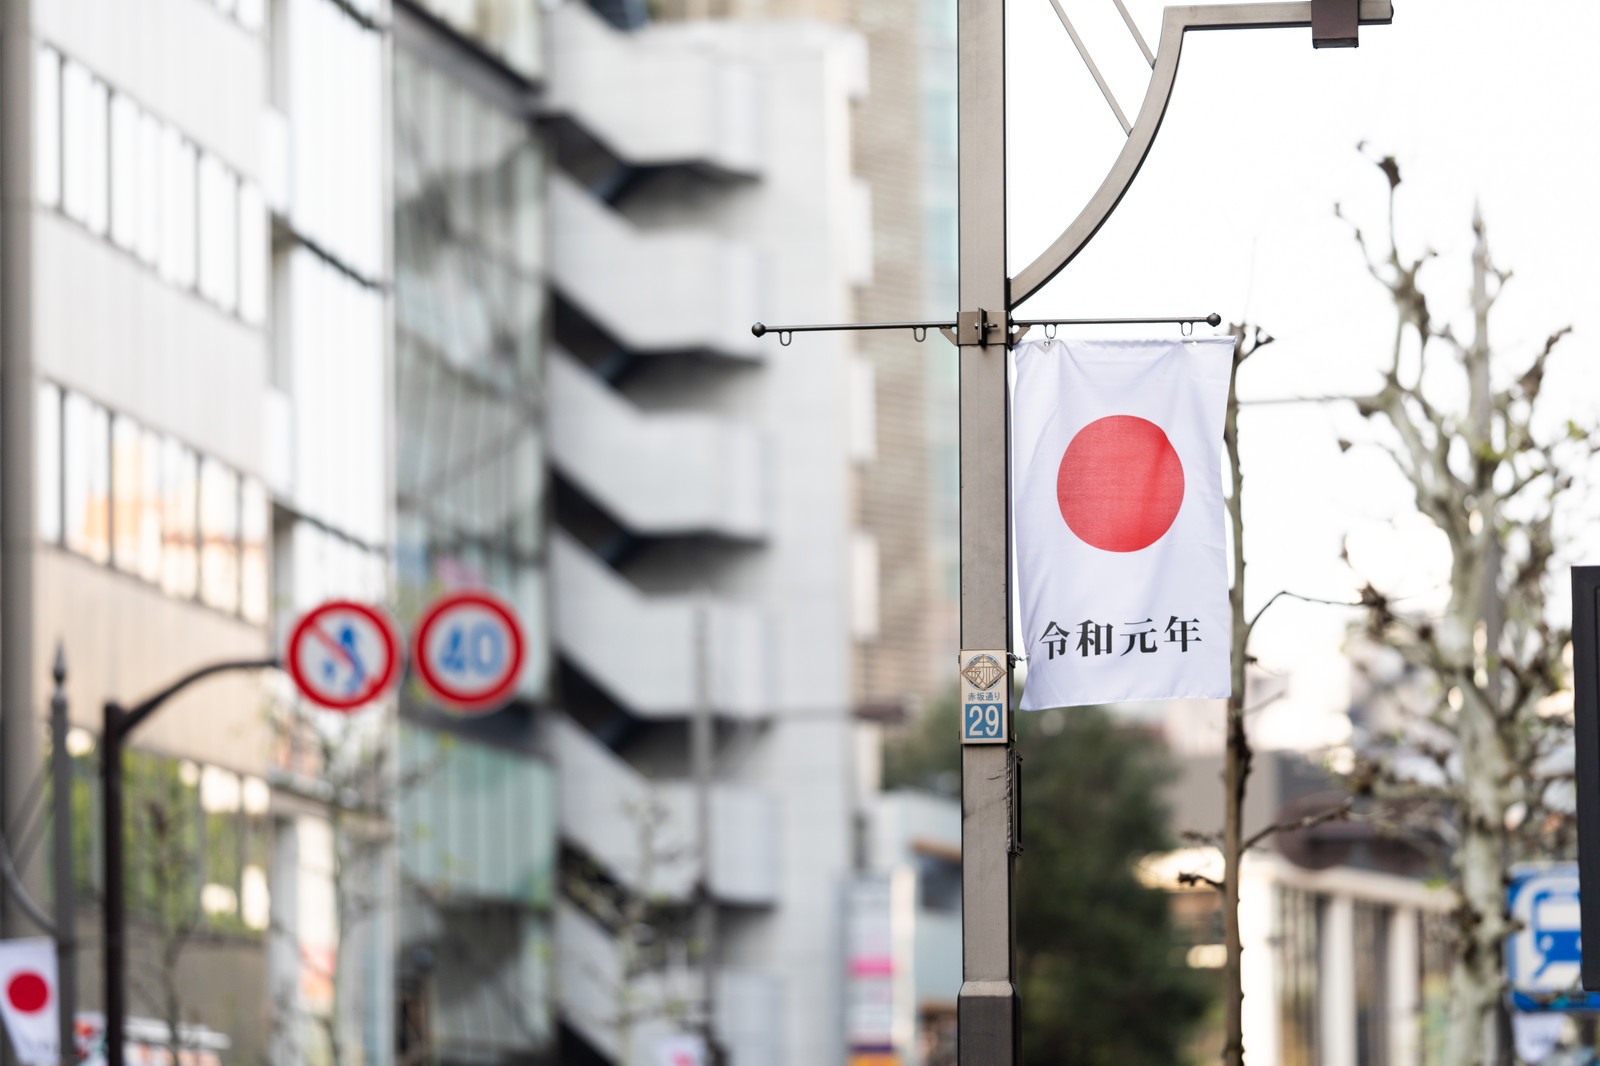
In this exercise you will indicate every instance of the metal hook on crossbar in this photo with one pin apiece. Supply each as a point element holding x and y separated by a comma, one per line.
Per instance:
<point>1050,331</point>
<point>919,333</point>
<point>1186,328</point>
<point>784,337</point>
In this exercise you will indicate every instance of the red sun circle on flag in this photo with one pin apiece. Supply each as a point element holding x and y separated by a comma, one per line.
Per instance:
<point>1120,484</point>
<point>28,992</point>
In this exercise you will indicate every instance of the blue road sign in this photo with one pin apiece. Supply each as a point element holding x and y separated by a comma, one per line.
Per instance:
<point>1544,956</point>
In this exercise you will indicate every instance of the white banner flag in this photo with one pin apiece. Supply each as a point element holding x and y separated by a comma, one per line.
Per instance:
<point>28,998</point>
<point>1118,510</point>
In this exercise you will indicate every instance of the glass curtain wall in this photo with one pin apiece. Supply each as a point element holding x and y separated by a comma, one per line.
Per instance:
<point>470,313</point>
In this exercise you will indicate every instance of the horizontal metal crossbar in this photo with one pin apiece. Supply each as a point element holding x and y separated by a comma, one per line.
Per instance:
<point>920,329</point>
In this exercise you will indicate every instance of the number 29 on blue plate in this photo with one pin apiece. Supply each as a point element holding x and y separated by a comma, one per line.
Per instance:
<point>983,721</point>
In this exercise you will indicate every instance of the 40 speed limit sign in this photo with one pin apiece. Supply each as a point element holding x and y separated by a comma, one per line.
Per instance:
<point>468,650</point>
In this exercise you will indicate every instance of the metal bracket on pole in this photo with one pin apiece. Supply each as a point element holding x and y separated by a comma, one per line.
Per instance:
<point>980,327</point>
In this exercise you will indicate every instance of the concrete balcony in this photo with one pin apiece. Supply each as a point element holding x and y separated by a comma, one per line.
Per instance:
<point>624,1019</point>
<point>654,291</point>
<point>656,97</point>
<point>657,474</point>
<point>642,650</point>
<point>642,832</point>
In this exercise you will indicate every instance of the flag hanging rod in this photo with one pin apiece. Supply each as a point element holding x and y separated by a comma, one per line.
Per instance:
<point>919,330</point>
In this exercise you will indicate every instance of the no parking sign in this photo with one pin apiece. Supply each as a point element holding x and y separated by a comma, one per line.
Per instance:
<point>468,649</point>
<point>344,655</point>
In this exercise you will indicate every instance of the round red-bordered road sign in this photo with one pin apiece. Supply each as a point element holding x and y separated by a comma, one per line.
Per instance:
<point>468,649</point>
<point>343,655</point>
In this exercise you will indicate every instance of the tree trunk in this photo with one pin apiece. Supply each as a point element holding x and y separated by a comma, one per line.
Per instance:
<point>1236,767</point>
<point>1478,977</point>
<point>1469,646</point>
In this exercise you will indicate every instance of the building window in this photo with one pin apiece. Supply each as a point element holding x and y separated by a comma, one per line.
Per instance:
<point>86,478</point>
<point>939,883</point>
<point>255,254</point>
<point>197,846</point>
<point>1298,949</point>
<point>1372,983</point>
<point>124,174</point>
<point>255,532</point>
<point>180,494</point>
<point>136,496</point>
<point>47,123</point>
<point>177,209</point>
<point>47,430</point>
<point>146,179</point>
<point>219,536</point>
<point>219,231</point>
<point>84,141</point>
<point>334,80</point>
<point>469,262</point>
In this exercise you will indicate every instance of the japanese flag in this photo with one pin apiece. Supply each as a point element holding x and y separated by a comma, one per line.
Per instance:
<point>1118,510</point>
<point>28,998</point>
<point>680,1050</point>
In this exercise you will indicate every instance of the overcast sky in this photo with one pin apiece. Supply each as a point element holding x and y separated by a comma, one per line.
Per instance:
<point>1488,102</point>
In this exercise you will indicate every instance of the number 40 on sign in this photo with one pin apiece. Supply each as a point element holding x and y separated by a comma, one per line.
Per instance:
<point>468,650</point>
<point>985,698</point>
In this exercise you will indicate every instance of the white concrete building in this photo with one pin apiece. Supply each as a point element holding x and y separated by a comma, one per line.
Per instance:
<point>208,362</point>
<point>702,556</point>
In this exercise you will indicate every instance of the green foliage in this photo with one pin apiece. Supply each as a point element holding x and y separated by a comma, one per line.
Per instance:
<point>1102,980</point>
<point>1100,966</point>
<point>926,754</point>
<point>163,841</point>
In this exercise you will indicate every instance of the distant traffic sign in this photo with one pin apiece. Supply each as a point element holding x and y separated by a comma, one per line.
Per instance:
<point>469,650</point>
<point>1543,956</point>
<point>344,655</point>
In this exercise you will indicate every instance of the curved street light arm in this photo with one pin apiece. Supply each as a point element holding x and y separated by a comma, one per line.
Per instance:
<point>130,718</point>
<point>1176,22</point>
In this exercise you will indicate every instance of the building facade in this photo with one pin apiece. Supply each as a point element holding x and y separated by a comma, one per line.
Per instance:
<point>700,560</point>
<point>381,299</point>
<point>205,267</point>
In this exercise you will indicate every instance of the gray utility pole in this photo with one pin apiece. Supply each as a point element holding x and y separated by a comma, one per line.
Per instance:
<point>19,739</point>
<point>66,889</point>
<point>988,1014</point>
